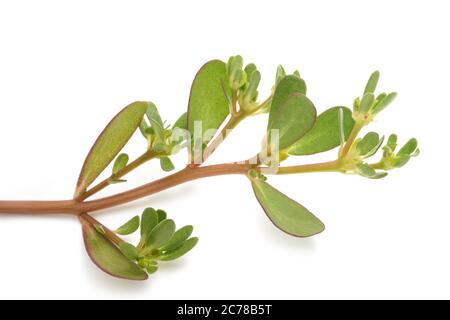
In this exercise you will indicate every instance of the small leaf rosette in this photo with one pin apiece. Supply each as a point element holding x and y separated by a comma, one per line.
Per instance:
<point>159,241</point>
<point>393,160</point>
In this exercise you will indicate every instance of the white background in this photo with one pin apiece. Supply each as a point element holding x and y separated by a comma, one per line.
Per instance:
<point>67,67</point>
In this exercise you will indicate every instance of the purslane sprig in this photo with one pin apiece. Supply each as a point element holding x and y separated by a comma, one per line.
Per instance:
<point>222,96</point>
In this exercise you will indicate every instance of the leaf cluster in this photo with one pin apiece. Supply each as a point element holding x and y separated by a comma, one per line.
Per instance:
<point>223,94</point>
<point>159,241</point>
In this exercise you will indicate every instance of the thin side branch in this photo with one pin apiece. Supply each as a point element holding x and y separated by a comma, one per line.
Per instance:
<point>149,155</point>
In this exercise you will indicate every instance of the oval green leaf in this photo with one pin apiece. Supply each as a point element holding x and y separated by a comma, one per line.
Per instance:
<point>372,82</point>
<point>325,135</point>
<point>155,120</point>
<point>128,250</point>
<point>129,227</point>
<point>108,257</point>
<point>383,103</point>
<point>109,143</point>
<point>152,269</point>
<point>178,238</point>
<point>166,164</point>
<point>208,102</point>
<point>162,215</point>
<point>287,86</point>
<point>293,119</point>
<point>366,103</point>
<point>120,163</point>
<point>285,213</point>
<point>392,142</point>
<point>409,147</point>
<point>161,234</point>
<point>368,143</point>
<point>149,220</point>
<point>365,170</point>
<point>180,251</point>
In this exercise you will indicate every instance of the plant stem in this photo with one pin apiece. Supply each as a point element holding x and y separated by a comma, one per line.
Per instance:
<point>127,169</point>
<point>231,124</point>
<point>262,106</point>
<point>235,119</point>
<point>86,218</point>
<point>315,167</point>
<point>39,207</point>
<point>353,134</point>
<point>78,208</point>
<point>187,174</point>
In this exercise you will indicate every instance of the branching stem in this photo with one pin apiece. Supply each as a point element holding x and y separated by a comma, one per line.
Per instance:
<point>353,134</point>
<point>149,155</point>
<point>187,174</point>
<point>78,207</point>
<point>230,125</point>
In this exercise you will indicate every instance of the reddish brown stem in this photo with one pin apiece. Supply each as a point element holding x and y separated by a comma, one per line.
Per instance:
<point>39,207</point>
<point>84,217</point>
<point>77,208</point>
<point>127,169</point>
<point>185,175</point>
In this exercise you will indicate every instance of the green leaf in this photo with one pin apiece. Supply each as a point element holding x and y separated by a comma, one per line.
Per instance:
<point>380,175</point>
<point>159,147</point>
<point>382,104</point>
<point>286,87</point>
<point>143,127</point>
<point>166,164</point>
<point>149,220</point>
<point>392,142</point>
<point>128,250</point>
<point>367,171</point>
<point>152,269</point>
<point>109,143</point>
<point>293,119</point>
<point>146,262</point>
<point>372,82</point>
<point>249,69</point>
<point>129,227</point>
<point>285,213</point>
<point>178,238</point>
<point>366,102</point>
<point>234,70</point>
<point>180,251</point>
<point>281,73</point>
<point>120,163</point>
<point>162,215</point>
<point>409,147</point>
<point>181,122</point>
<point>252,89</point>
<point>325,135</point>
<point>108,257</point>
<point>368,143</point>
<point>161,234</point>
<point>155,120</point>
<point>207,102</point>
<point>380,97</point>
<point>375,148</point>
<point>401,160</point>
